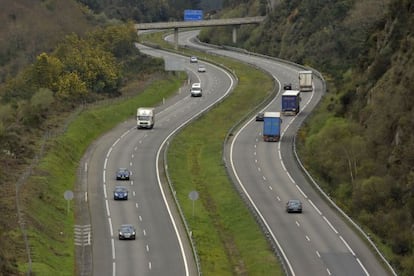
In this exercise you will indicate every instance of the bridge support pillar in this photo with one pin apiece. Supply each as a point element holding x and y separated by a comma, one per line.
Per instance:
<point>176,38</point>
<point>234,35</point>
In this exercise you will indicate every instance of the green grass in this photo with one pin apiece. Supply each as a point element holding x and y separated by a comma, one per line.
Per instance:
<point>50,225</point>
<point>228,239</point>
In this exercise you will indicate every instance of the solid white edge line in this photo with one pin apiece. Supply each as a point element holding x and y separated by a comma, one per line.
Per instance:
<point>330,225</point>
<point>347,246</point>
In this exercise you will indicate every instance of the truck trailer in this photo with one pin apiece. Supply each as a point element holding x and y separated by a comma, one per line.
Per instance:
<point>145,117</point>
<point>305,81</point>
<point>291,102</point>
<point>271,126</point>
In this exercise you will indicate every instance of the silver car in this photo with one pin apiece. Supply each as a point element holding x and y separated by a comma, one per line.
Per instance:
<point>127,232</point>
<point>294,206</point>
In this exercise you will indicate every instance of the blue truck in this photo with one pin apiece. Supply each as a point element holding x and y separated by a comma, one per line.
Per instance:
<point>291,102</point>
<point>271,126</point>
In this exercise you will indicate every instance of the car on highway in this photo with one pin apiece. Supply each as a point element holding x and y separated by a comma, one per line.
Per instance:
<point>260,116</point>
<point>196,90</point>
<point>120,193</point>
<point>127,232</point>
<point>123,174</point>
<point>287,86</point>
<point>294,206</point>
<point>201,68</point>
<point>193,59</point>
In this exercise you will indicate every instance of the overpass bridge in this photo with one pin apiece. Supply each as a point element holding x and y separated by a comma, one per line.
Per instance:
<point>235,22</point>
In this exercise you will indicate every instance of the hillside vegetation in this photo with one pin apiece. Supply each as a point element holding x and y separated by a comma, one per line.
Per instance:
<point>360,138</point>
<point>56,56</point>
<point>359,144</point>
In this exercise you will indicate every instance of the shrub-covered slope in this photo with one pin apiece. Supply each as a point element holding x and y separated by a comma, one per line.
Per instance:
<point>359,143</point>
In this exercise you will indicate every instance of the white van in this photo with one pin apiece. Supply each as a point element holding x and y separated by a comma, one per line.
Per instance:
<point>196,90</point>
<point>145,117</point>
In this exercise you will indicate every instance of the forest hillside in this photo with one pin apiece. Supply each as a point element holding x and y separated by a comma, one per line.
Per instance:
<point>359,143</point>
<point>55,57</point>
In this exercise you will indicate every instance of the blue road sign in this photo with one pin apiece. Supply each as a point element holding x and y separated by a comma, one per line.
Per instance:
<point>193,15</point>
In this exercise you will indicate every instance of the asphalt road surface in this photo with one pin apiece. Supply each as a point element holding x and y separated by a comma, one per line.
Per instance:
<point>161,246</point>
<point>318,241</point>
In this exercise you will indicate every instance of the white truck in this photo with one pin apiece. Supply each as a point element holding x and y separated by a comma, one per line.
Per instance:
<point>145,117</point>
<point>305,81</point>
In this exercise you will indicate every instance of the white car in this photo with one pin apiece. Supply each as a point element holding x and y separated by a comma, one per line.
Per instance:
<point>201,68</point>
<point>193,59</point>
<point>196,90</point>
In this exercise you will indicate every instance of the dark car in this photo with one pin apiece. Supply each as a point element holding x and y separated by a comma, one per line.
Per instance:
<point>126,232</point>
<point>122,174</point>
<point>120,192</point>
<point>287,86</point>
<point>294,206</point>
<point>260,116</point>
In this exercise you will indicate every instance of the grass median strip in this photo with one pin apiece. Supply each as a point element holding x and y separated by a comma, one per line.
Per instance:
<point>228,239</point>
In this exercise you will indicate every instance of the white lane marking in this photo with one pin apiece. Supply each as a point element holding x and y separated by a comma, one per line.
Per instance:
<point>347,245</point>
<point>116,142</point>
<point>111,230</point>
<point>104,190</point>
<point>330,225</point>
<point>109,152</point>
<point>300,190</point>
<point>270,188</point>
<point>314,207</point>
<point>125,133</point>
<point>317,253</point>
<point>113,249</point>
<point>107,208</point>
<point>290,177</point>
<point>363,267</point>
<point>307,238</point>
<point>297,223</point>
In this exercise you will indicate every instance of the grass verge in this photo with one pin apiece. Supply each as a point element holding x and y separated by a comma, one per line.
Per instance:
<point>49,220</point>
<point>228,239</point>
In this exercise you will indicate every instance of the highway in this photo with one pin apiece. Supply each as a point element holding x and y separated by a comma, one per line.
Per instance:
<point>318,241</point>
<point>161,246</point>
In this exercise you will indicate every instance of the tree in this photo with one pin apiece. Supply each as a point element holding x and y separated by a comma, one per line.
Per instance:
<point>71,88</point>
<point>45,71</point>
